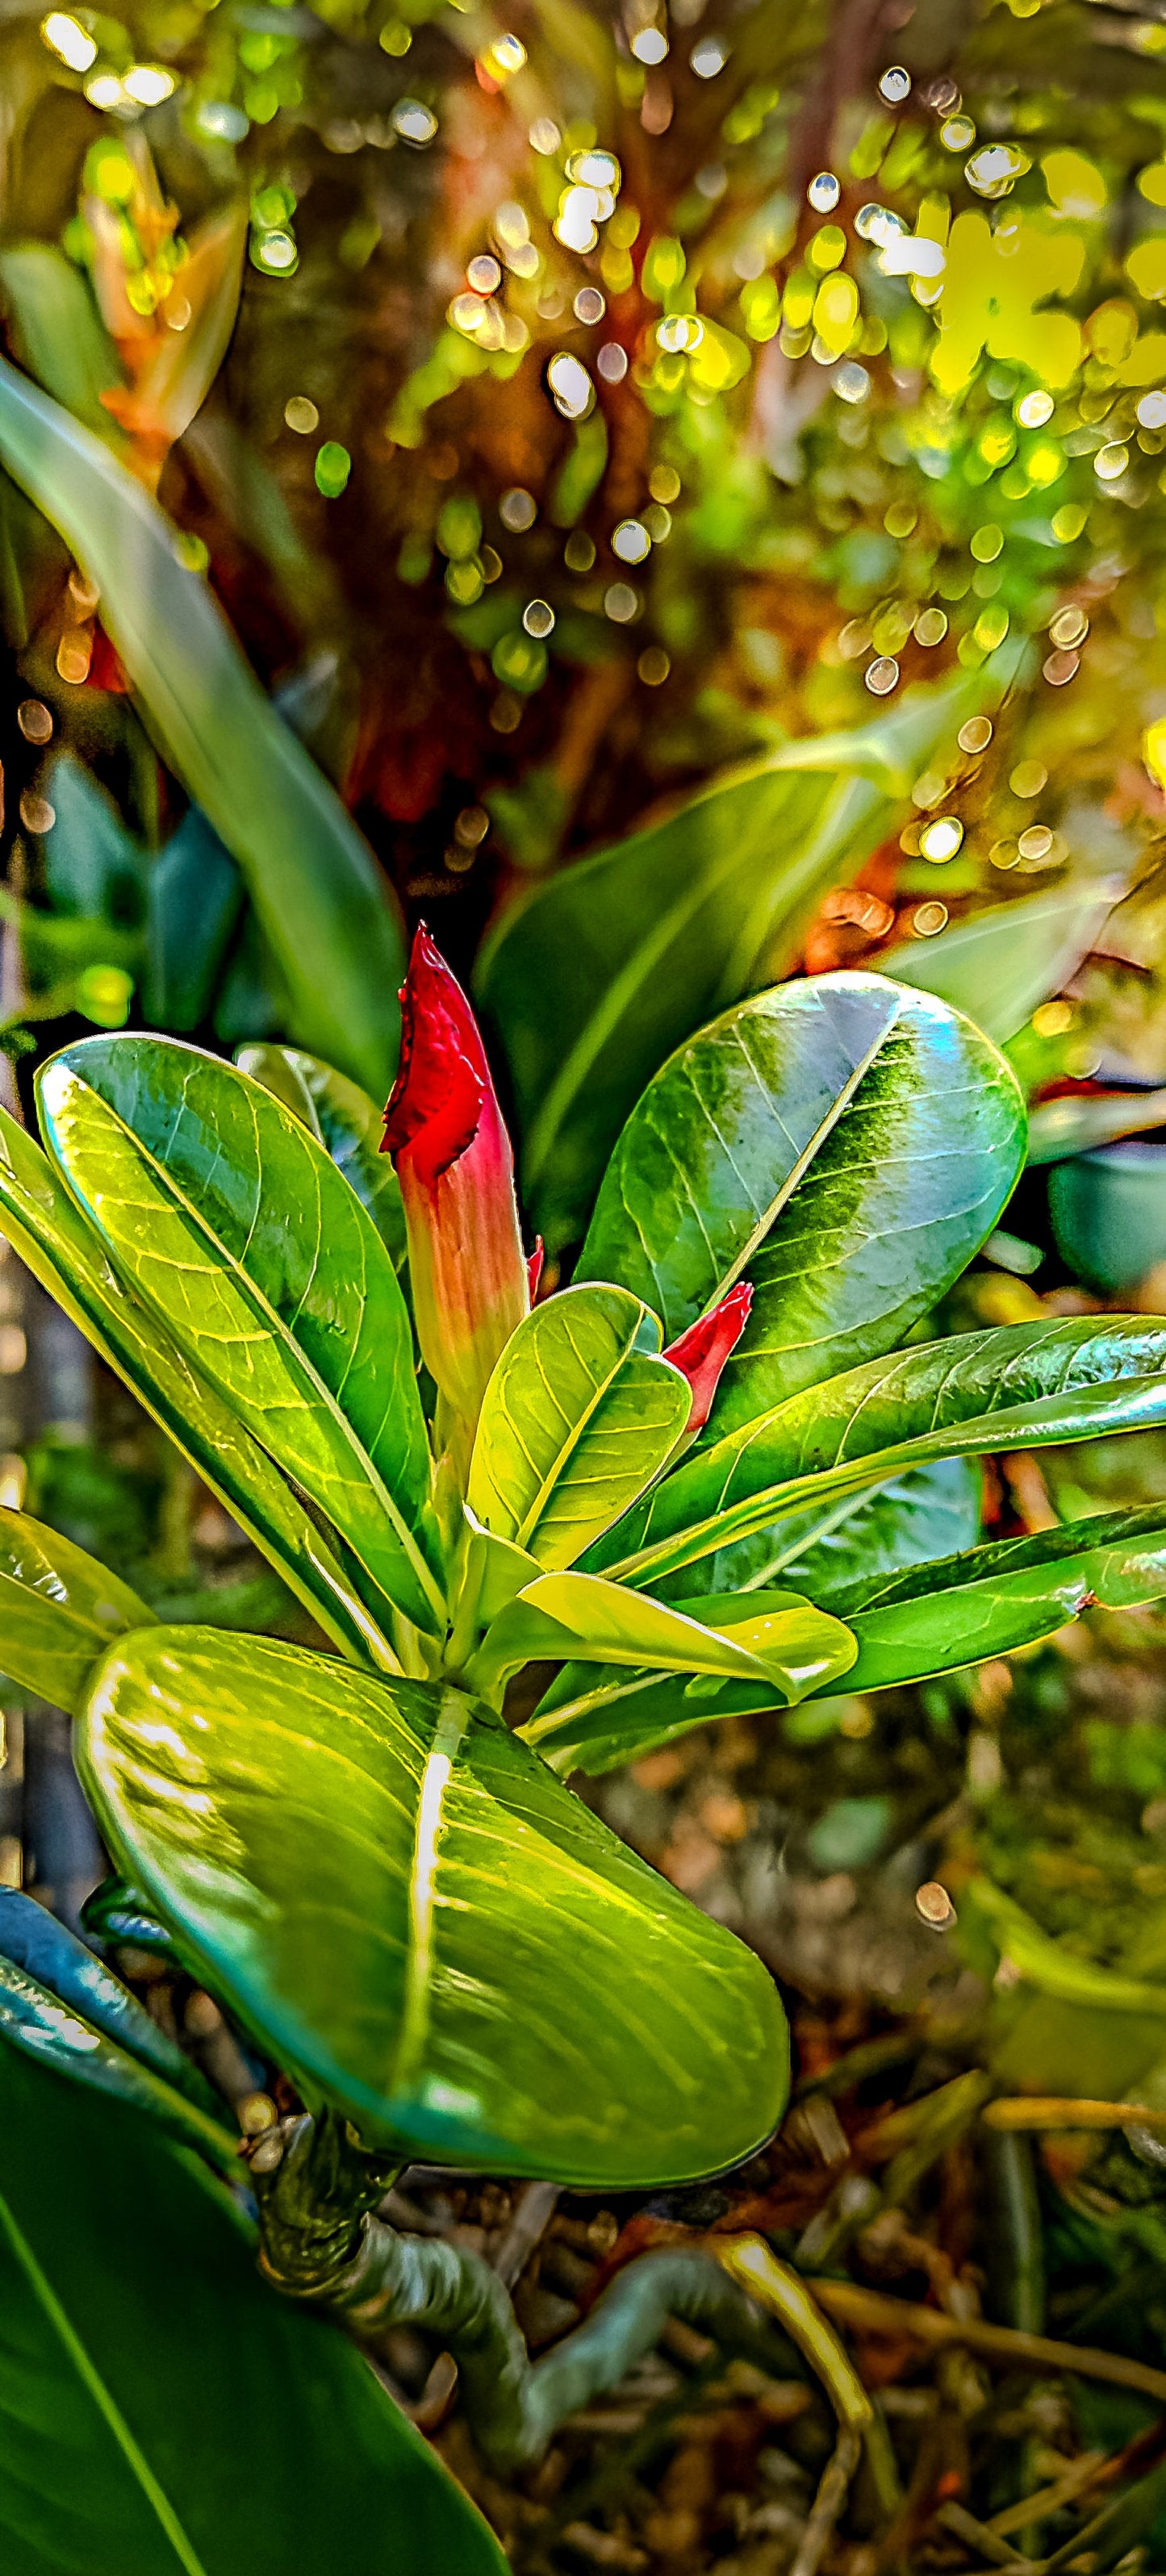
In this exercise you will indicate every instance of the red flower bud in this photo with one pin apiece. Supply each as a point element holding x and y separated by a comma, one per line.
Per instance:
<point>701,1352</point>
<point>444,1130</point>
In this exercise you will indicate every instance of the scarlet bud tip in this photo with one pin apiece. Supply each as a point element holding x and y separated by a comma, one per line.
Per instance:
<point>700,1353</point>
<point>443,1078</point>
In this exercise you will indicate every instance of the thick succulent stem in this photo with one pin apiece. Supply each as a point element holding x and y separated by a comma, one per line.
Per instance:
<point>364,2272</point>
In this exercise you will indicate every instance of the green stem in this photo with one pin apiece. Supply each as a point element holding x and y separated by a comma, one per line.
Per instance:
<point>316,2247</point>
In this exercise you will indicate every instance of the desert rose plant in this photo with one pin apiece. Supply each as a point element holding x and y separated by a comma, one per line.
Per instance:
<point>719,1471</point>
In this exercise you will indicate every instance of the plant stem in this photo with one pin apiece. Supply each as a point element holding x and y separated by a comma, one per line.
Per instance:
<point>320,2243</point>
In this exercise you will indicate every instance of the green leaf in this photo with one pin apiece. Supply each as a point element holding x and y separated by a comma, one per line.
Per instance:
<point>162,2413</point>
<point>1048,1964</point>
<point>608,966</point>
<point>1023,1386</point>
<point>775,1637</point>
<point>933,1511</point>
<point>48,1231</point>
<point>59,1610</point>
<point>1076,1125</point>
<point>232,1223</point>
<point>93,866</point>
<point>805,1140</point>
<point>962,1609</point>
<point>423,1926</point>
<point>311,877</point>
<point>195,897</point>
<point>999,964</point>
<point>35,1945</point>
<point>58,334</point>
<point>348,1124</point>
<point>33,2020</point>
<point>578,1417</point>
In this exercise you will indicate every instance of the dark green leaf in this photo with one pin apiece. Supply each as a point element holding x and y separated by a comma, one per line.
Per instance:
<point>608,966</point>
<point>33,2020</point>
<point>59,1610</point>
<point>597,1720</point>
<point>1022,1386</point>
<point>311,877</point>
<point>162,2413</point>
<point>349,1125</point>
<point>988,1602</point>
<point>195,898</point>
<point>93,866</point>
<point>41,1220</point>
<point>934,1511</point>
<point>418,1918</point>
<point>579,1415</point>
<point>32,1940</point>
<point>999,964</point>
<point>230,1220</point>
<point>806,1140</point>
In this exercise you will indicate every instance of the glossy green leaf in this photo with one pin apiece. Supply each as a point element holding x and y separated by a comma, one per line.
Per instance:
<point>1023,1386</point>
<point>59,1610</point>
<point>48,1231</point>
<point>58,334</point>
<point>934,1511</point>
<point>612,962</point>
<point>162,2414</point>
<point>35,1945</point>
<point>999,964</point>
<point>232,1223</point>
<point>311,876</point>
<point>348,1124</point>
<point>965,1608</point>
<point>775,1637</point>
<point>844,1144</point>
<point>578,1417</point>
<point>1080,1122</point>
<point>421,1923</point>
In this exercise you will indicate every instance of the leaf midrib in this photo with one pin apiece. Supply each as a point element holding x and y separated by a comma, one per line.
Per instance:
<point>825,1128</point>
<point>101,2394</point>
<point>565,1454</point>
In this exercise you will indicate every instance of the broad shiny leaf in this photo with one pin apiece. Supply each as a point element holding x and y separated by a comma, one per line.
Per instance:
<point>843,1143</point>
<point>161,2413</point>
<point>988,1602</point>
<point>348,1123</point>
<point>312,878</point>
<point>59,1610</point>
<point>775,1637</point>
<point>1023,1386</point>
<point>999,964</point>
<point>612,962</point>
<point>422,1925</point>
<point>233,1224</point>
<point>578,1417</point>
<point>42,1221</point>
<point>597,1720</point>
